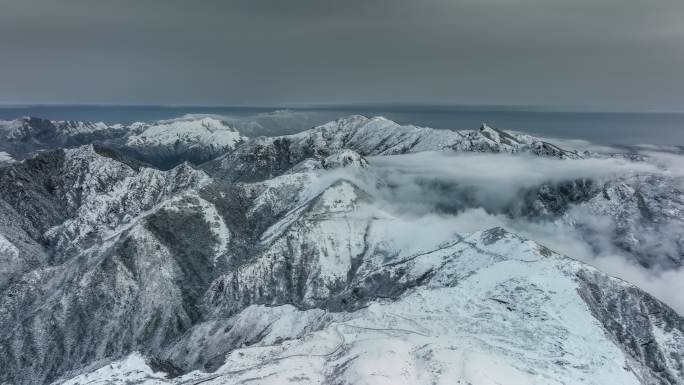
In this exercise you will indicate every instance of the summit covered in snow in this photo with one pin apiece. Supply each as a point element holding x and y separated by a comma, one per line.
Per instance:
<point>196,140</point>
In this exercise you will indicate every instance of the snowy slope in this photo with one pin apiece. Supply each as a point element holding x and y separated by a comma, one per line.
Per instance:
<point>129,194</point>
<point>496,309</point>
<point>192,139</point>
<point>166,143</point>
<point>5,158</point>
<point>23,137</point>
<point>26,128</point>
<point>204,131</point>
<point>131,370</point>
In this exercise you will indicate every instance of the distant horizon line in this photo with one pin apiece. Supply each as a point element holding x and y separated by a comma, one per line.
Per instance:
<point>342,106</point>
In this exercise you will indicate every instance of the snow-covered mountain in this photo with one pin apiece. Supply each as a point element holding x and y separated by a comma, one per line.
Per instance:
<point>280,262</point>
<point>164,143</point>
<point>645,214</point>
<point>485,309</point>
<point>5,158</point>
<point>197,140</point>
<point>266,157</point>
<point>23,137</point>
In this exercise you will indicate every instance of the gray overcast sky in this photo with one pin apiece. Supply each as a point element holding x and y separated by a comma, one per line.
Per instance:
<point>613,54</point>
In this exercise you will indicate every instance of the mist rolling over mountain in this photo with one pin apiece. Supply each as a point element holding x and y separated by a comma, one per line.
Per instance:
<point>385,192</point>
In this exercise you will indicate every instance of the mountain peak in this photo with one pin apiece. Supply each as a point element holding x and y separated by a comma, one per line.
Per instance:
<point>189,138</point>
<point>345,158</point>
<point>341,196</point>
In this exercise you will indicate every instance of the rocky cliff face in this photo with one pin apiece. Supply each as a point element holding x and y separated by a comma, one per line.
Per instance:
<point>271,264</point>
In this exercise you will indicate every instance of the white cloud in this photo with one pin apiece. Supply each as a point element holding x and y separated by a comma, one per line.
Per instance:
<point>453,181</point>
<point>439,194</point>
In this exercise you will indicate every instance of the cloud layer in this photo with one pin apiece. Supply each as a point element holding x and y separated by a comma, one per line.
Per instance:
<point>438,194</point>
<point>494,182</point>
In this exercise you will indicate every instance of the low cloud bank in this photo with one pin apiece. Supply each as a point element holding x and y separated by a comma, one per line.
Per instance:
<point>438,194</point>
<point>444,181</point>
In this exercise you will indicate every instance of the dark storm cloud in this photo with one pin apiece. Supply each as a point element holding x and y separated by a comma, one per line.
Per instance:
<point>607,53</point>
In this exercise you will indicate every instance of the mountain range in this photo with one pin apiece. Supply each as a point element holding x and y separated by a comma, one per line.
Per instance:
<point>184,252</point>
